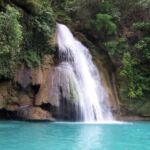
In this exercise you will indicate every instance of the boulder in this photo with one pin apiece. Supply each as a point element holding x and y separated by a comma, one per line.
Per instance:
<point>25,100</point>
<point>34,114</point>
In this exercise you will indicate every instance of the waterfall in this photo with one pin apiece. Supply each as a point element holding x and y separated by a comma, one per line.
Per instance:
<point>76,60</point>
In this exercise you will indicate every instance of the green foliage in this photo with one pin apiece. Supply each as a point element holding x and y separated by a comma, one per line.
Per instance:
<point>132,10</point>
<point>10,31</point>
<point>31,31</point>
<point>104,23</point>
<point>138,81</point>
<point>75,7</point>
<point>5,66</point>
<point>142,26</point>
<point>128,71</point>
<point>63,17</point>
<point>116,47</point>
<point>107,7</point>
<point>132,52</point>
<point>29,6</point>
<point>128,63</point>
<point>135,65</point>
<point>67,3</point>
<point>31,58</point>
<point>144,46</point>
<point>111,47</point>
<point>10,39</point>
<point>40,28</point>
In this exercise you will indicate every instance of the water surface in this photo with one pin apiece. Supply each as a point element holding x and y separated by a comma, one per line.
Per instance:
<point>74,136</point>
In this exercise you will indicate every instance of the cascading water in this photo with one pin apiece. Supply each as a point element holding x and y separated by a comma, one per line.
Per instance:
<point>77,61</point>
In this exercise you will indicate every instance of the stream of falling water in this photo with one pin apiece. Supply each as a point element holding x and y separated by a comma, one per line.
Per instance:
<point>92,95</point>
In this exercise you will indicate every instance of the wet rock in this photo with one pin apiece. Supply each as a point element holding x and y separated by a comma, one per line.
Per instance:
<point>2,102</point>
<point>3,95</point>
<point>34,113</point>
<point>11,107</point>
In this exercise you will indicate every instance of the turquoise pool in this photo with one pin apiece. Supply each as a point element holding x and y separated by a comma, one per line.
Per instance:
<point>74,136</point>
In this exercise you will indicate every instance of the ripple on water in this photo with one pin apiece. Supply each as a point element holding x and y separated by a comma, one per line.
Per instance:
<point>74,136</point>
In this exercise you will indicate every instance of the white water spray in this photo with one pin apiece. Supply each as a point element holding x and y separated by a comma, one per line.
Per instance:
<point>92,95</point>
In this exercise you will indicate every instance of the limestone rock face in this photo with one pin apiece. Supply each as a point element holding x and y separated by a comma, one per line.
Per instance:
<point>32,91</point>
<point>2,101</point>
<point>25,100</point>
<point>34,113</point>
<point>37,76</point>
<point>23,76</point>
<point>11,99</point>
<point>43,94</point>
<point>3,95</point>
<point>40,77</point>
<point>46,78</point>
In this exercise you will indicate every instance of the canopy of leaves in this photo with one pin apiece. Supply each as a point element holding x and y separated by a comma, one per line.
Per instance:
<point>104,22</point>
<point>10,31</point>
<point>10,39</point>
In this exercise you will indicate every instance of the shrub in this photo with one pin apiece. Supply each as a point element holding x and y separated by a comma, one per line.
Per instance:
<point>5,63</point>
<point>104,22</point>
<point>142,26</point>
<point>40,30</point>
<point>117,47</point>
<point>31,58</point>
<point>111,47</point>
<point>10,31</point>
<point>10,39</point>
<point>128,72</point>
<point>144,46</point>
<point>107,7</point>
<point>137,79</point>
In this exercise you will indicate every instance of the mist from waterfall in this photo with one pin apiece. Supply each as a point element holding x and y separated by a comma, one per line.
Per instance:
<point>90,92</point>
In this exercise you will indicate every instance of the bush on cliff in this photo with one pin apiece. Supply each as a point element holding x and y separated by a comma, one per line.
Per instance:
<point>10,39</point>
